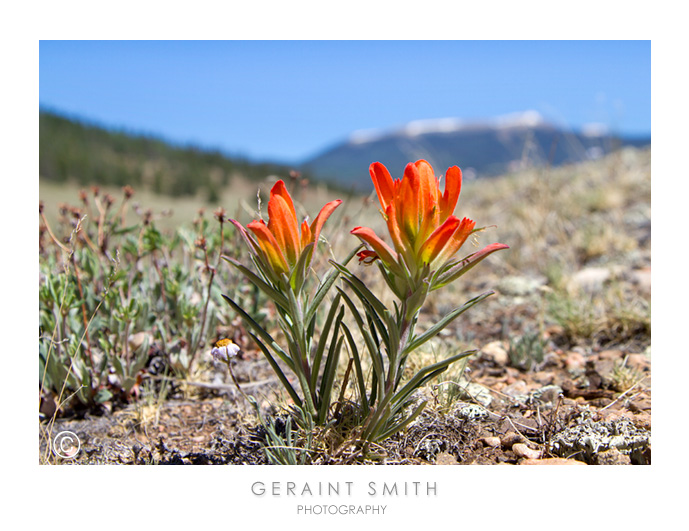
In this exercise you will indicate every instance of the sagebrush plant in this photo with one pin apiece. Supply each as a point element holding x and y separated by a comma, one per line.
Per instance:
<point>426,237</point>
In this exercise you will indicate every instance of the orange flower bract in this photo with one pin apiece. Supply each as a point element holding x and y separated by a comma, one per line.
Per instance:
<point>282,240</point>
<point>420,219</point>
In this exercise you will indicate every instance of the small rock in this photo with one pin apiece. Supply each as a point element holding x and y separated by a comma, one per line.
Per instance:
<point>551,461</point>
<point>521,450</point>
<point>639,362</point>
<point>495,352</point>
<point>138,339</point>
<point>575,361</point>
<point>511,439</point>
<point>519,286</point>
<point>472,412</point>
<point>642,279</point>
<point>639,405</point>
<point>445,458</point>
<point>545,378</point>
<point>612,457</point>
<point>492,442</point>
<point>642,421</point>
<point>517,390</point>
<point>477,392</point>
<point>549,394</point>
<point>590,279</point>
<point>611,355</point>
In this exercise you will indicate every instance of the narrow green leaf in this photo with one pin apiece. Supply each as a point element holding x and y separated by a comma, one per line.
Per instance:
<point>377,420</point>
<point>390,280</point>
<point>278,371</point>
<point>269,290</point>
<point>397,427</point>
<point>440,325</point>
<point>427,373</point>
<point>265,336</point>
<point>299,273</point>
<point>323,289</point>
<point>361,290</point>
<point>361,380</point>
<point>324,339</point>
<point>374,352</point>
<point>466,264</point>
<point>329,372</point>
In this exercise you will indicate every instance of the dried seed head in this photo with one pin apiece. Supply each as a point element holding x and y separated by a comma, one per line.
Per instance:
<point>201,243</point>
<point>220,215</point>
<point>84,197</point>
<point>128,191</point>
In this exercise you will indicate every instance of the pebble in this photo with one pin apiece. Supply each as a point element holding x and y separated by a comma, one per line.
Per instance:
<point>478,392</point>
<point>551,461</point>
<point>473,412</point>
<point>138,339</point>
<point>511,439</point>
<point>520,286</point>
<point>445,458</point>
<point>521,450</point>
<point>493,442</point>
<point>612,457</point>
<point>495,351</point>
<point>642,279</point>
<point>640,362</point>
<point>590,279</point>
<point>516,390</point>
<point>575,361</point>
<point>548,394</point>
<point>544,377</point>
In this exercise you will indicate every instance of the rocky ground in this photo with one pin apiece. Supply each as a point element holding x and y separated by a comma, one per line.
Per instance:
<point>577,405</point>
<point>562,375</point>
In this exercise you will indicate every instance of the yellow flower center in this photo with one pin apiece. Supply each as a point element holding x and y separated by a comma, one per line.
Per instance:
<point>223,343</point>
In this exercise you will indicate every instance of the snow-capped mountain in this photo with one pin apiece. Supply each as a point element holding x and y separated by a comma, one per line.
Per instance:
<point>481,149</point>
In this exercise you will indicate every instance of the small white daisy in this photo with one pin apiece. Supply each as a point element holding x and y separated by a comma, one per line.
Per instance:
<point>224,350</point>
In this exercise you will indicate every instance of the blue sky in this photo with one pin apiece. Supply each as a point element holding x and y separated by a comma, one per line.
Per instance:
<point>288,100</point>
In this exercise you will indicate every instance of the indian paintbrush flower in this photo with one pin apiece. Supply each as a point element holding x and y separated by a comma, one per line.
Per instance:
<point>282,250</point>
<point>281,243</point>
<point>425,233</point>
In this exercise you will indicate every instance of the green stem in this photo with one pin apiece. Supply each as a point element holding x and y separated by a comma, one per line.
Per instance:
<point>300,358</point>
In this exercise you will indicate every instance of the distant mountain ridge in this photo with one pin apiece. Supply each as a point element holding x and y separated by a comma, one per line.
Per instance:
<point>481,149</point>
<point>87,153</point>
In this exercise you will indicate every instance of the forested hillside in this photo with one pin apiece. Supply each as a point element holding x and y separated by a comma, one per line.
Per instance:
<point>72,151</point>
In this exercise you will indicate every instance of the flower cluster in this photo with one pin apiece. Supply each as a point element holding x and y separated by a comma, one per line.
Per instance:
<point>425,233</point>
<point>280,243</point>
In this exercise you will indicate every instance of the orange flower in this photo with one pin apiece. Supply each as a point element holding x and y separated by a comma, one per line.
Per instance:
<point>280,242</point>
<point>420,220</point>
